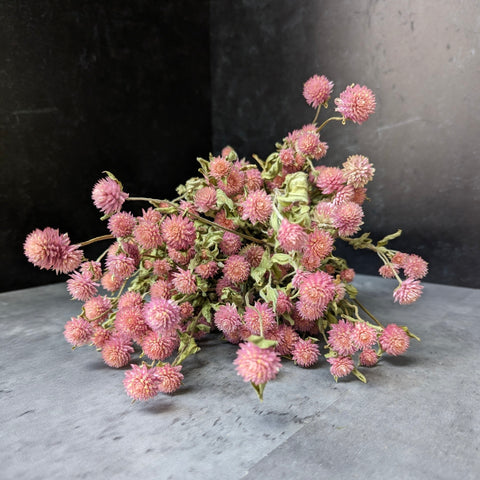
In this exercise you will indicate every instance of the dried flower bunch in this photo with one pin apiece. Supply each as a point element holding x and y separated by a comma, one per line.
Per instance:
<point>247,250</point>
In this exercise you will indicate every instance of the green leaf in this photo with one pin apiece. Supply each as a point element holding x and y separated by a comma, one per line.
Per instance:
<point>351,290</point>
<point>259,389</point>
<point>222,200</point>
<point>359,375</point>
<point>281,258</point>
<point>261,342</point>
<point>410,334</point>
<point>187,347</point>
<point>207,311</point>
<point>386,239</point>
<point>296,189</point>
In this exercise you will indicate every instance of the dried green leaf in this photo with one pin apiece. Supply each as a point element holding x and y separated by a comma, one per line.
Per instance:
<point>386,239</point>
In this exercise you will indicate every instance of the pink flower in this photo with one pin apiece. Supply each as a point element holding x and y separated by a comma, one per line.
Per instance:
<point>284,304</point>
<point>205,199</point>
<point>219,167</point>
<point>363,335</point>
<point>169,378</point>
<point>347,217</point>
<point>185,282</point>
<point>287,338</point>
<point>110,282</point>
<point>91,269</point>
<point>317,90</point>
<point>159,346</point>
<point>207,270</point>
<point>358,170</point>
<point>108,196</point>
<point>399,259</point>
<point>141,383</point>
<point>179,232</point>
<point>329,179</point>
<point>308,313</point>
<point>162,315</point>
<point>227,318</point>
<point>340,338</point>
<point>130,320</point>
<point>254,179</point>
<point>230,243</point>
<point>236,269</point>
<point>347,275</point>
<point>186,310</point>
<point>368,357</point>
<point>388,271</point>
<point>234,182</point>
<point>415,267</point>
<point>121,224</point>
<point>345,193</point>
<point>309,144</point>
<point>255,364</point>
<point>340,366</point>
<point>116,351</point>
<point>356,103</point>
<point>253,253</point>
<point>319,245</point>
<point>260,318</point>
<point>78,331</point>
<point>97,309</point>
<point>317,289</point>
<point>100,336</point>
<point>181,257</point>
<point>81,286</point>
<point>394,340</point>
<point>257,207</point>
<point>121,265</point>
<point>161,267</point>
<point>408,292</point>
<point>130,299</point>
<point>147,234</point>
<point>291,236</point>
<point>305,353</point>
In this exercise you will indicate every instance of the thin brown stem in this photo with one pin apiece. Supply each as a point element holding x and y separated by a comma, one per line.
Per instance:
<point>368,313</point>
<point>97,239</point>
<point>329,120</point>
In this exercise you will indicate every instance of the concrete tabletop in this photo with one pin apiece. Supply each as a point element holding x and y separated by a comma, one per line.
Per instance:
<point>64,414</point>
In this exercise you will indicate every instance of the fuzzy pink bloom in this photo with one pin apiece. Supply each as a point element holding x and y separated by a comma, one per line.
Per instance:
<point>257,207</point>
<point>399,259</point>
<point>287,157</point>
<point>121,224</point>
<point>234,182</point>
<point>259,318</point>
<point>223,283</point>
<point>92,269</point>
<point>347,217</point>
<point>130,299</point>
<point>339,292</point>
<point>309,144</point>
<point>130,320</point>
<point>291,236</point>
<point>97,308</point>
<point>107,196</point>
<point>287,338</point>
<point>317,289</point>
<point>368,357</point>
<point>186,310</point>
<point>356,103</point>
<point>325,211</point>
<point>299,277</point>
<point>415,267</point>
<point>358,170</point>
<point>116,351</point>
<point>359,195</point>
<point>230,243</point>
<point>319,244</point>
<point>347,275</point>
<point>181,257</point>
<point>284,304</point>
<point>255,364</point>
<point>205,199</point>
<point>121,265</point>
<point>388,271</point>
<point>305,353</point>
<point>158,346</point>
<point>228,151</point>
<point>169,378</point>
<point>307,314</point>
<point>236,269</point>
<point>147,234</point>
<point>141,383</point>
<point>344,194</point>
<point>340,366</point>
<point>207,270</point>
<point>185,282</point>
<point>221,219</point>
<point>317,90</point>
<point>152,215</point>
<point>363,335</point>
<point>100,336</point>
<point>227,318</point>
<point>394,340</point>
<point>253,253</point>
<point>81,286</point>
<point>254,179</point>
<point>162,315</point>
<point>408,292</point>
<point>78,331</point>
<point>219,167</point>
<point>329,179</point>
<point>161,267</point>
<point>110,282</point>
<point>340,338</point>
<point>179,232</point>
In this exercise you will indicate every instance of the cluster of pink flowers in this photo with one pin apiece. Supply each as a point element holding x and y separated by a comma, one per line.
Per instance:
<point>246,251</point>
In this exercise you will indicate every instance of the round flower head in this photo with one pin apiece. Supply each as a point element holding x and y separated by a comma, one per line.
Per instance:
<point>408,292</point>
<point>205,199</point>
<point>230,243</point>
<point>308,313</point>
<point>179,256</point>
<point>329,179</point>
<point>255,364</point>
<point>141,383</point>
<point>158,346</point>
<point>179,232</point>
<point>363,335</point>
<point>347,275</point>
<point>92,269</point>
<point>317,289</point>
<point>207,270</point>
<point>152,215</point>
<point>121,265</point>
<point>130,320</point>
<point>116,351</point>
<point>317,90</point>
<point>319,244</point>
<point>227,318</point>
<point>185,282</point>
<point>368,357</point>
<point>358,170</point>
<point>305,353</point>
<point>130,299</point>
<point>347,217</point>
<point>257,207</point>
<point>100,336</point>
<point>108,196</point>
<point>291,236</point>
<point>254,179</point>
<point>394,340</point>
<point>284,304</point>
<point>309,144</point>
<point>147,234</point>
<point>340,366</point>
<point>97,308</point>
<point>78,331</point>
<point>287,338</point>
<point>162,315</point>
<point>219,167</point>
<point>399,259</point>
<point>81,286</point>
<point>234,182</point>
<point>253,253</point>
<point>161,267</point>
<point>415,267</point>
<point>356,103</point>
<point>340,338</point>
<point>121,224</point>
<point>169,378</point>
<point>259,318</point>
<point>110,282</point>
<point>388,271</point>
<point>236,269</point>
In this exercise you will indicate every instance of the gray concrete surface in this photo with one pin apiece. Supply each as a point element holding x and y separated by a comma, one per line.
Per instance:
<point>64,414</point>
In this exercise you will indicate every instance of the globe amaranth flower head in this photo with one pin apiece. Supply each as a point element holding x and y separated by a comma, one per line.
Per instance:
<point>317,90</point>
<point>255,364</point>
<point>107,195</point>
<point>141,383</point>
<point>356,103</point>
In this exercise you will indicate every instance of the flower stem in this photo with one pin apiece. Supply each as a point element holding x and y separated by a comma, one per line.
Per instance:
<point>368,313</point>
<point>97,239</point>
<point>329,120</point>
<point>316,115</point>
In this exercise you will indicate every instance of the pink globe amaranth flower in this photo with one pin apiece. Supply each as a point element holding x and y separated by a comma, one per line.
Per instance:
<point>152,215</point>
<point>161,267</point>
<point>344,194</point>
<point>147,234</point>
<point>317,90</point>
<point>253,253</point>
<point>368,357</point>
<point>408,292</point>
<point>287,337</point>
<point>227,319</point>
<point>181,257</point>
<point>223,283</point>
<point>388,271</point>
<point>233,183</point>
<point>291,236</point>
<point>254,179</point>
<point>359,195</point>
<point>158,346</point>
<point>287,157</point>
<point>162,315</point>
<point>305,353</point>
<point>207,270</point>
<point>399,259</point>
<point>363,335</point>
<point>221,219</point>
<point>340,338</point>
<point>307,314</point>
<point>78,331</point>
<point>415,267</point>
<point>236,269</point>
<point>100,336</point>
<point>186,310</point>
<point>259,319</point>
<point>319,244</point>
<point>179,232</point>
<point>81,286</point>
<point>284,304</point>
<point>324,211</point>
<point>117,350</point>
<point>309,145</point>
<point>257,207</point>
<point>97,309</point>
<point>347,275</point>
<point>130,321</point>
<point>110,282</point>
<point>169,378</point>
<point>299,277</point>
<point>141,383</point>
<point>185,282</point>
<point>230,243</point>
<point>121,265</point>
<point>329,179</point>
<point>317,289</point>
<point>255,364</point>
<point>339,292</point>
<point>347,217</point>
<point>356,103</point>
<point>130,299</point>
<point>92,269</point>
<point>205,199</point>
<point>107,196</point>
<point>358,171</point>
<point>121,224</point>
<point>394,340</point>
<point>340,366</point>
<point>219,167</point>
<point>228,151</point>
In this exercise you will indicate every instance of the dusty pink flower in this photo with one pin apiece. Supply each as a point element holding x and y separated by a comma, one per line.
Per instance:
<point>81,286</point>
<point>291,236</point>
<point>227,318</point>
<point>329,179</point>
<point>318,289</point>
<point>415,267</point>
<point>254,179</point>
<point>162,315</point>
<point>152,215</point>
<point>230,243</point>
<point>363,335</point>
<point>309,144</point>
<point>97,308</point>
<point>169,378</point>
<point>368,357</point>
<point>141,383</point>
<point>340,366</point>
<point>344,194</point>
<point>130,320</point>
<point>121,265</point>
<point>228,151</point>
<point>116,351</point>
<point>158,346</point>
<point>299,277</point>
<point>255,364</point>
<point>359,195</point>
<point>221,219</point>
<point>236,269</point>
<point>130,299</point>
<point>284,304</point>
<point>219,167</point>
<point>325,210</point>
<point>319,244</point>
<point>408,292</point>
<point>340,338</point>
<point>287,338</point>
<point>394,340</point>
<point>121,224</point>
<point>78,331</point>
<point>358,170</point>
<point>305,353</point>
<point>186,310</point>
<point>347,275</point>
<point>100,336</point>
<point>181,257</point>
<point>179,232</point>
<point>317,90</point>
<point>207,270</point>
<point>107,196</point>
<point>185,282</point>
<point>253,253</point>
<point>92,269</point>
<point>257,207</point>
<point>161,267</point>
<point>147,234</point>
<point>347,217</point>
<point>287,157</point>
<point>388,271</point>
<point>399,259</point>
<point>356,103</point>
<point>205,199</point>
<point>234,182</point>
<point>259,318</point>
<point>110,282</point>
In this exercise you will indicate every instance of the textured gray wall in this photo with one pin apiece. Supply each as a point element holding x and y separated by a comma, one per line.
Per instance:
<point>422,60</point>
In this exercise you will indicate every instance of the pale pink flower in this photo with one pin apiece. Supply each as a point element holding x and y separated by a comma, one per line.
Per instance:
<point>307,313</point>
<point>141,383</point>
<point>356,103</point>
<point>230,243</point>
<point>415,267</point>
<point>260,318</point>
<point>291,236</point>
<point>219,167</point>
<point>287,337</point>
<point>110,282</point>
<point>284,304</point>
<point>92,269</point>
<point>158,346</point>
<point>399,259</point>
<point>325,211</point>
<point>81,286</point>
<point>107,195</point>
<point>309,144</point>
<point>169,378</point>
<point>234,182</point>
<point>347,275</point>
<point>347,217</point>
<point>287,157</point>
<point>345,193</point>
<point>121,265</point>
<point>394,340</point>
<point>255,364</point>
<point>408,292</point>
<point>97,308</point>
<point>185,282</point>
<point>162,315</point>
<point>253,253</point>
<point>130,320</point>
<point>121,224</point>
<point>358,170</point>
<point>179,232</point>
<point>305,353</point>
<point>152,215</point>
<point>221,219</point>
<point>388,271</point>
<point>207,270</point>
<point>329,179</point>
<point>363,335</point>
<point>317,289</point>
<point>186,310</point>
<point>78,331</point>
<point>236,269</point>
<point>319,244</point>
<point>317,90</point>
<point>340,338</point>
<point>117,350</point>
<point>130,299</point>
<point>299,277</point>
<point>228,151</point>
<point>257,207</point>
<point>181,257</point>
<point>147,234</point>
<point>205,199</point>
<point>100,336</point>
<point>340,366</point>
<point>368,357</point>
<point>161,267</point>
<point>227,318</point>
<point>254,179</point>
